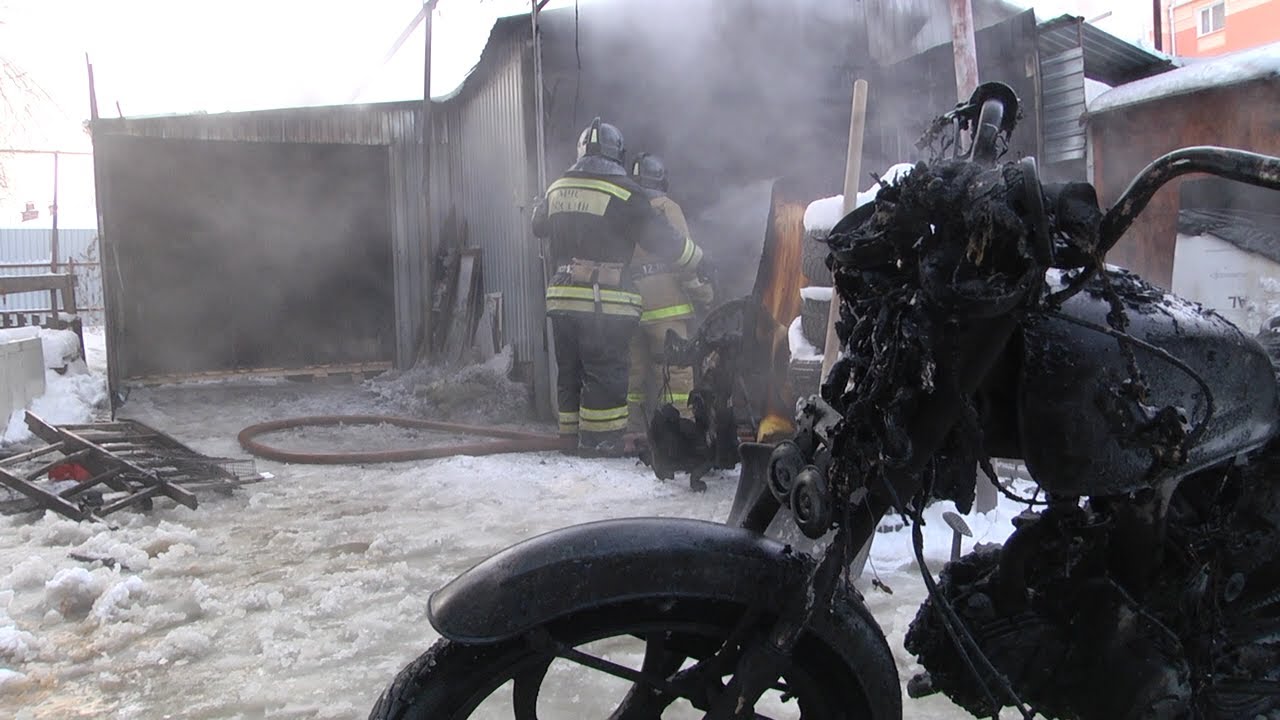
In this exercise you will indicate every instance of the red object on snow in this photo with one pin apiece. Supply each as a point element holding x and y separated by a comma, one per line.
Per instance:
<point>69,471</point>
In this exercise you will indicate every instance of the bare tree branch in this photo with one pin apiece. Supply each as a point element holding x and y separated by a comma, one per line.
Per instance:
<point>19,96</point>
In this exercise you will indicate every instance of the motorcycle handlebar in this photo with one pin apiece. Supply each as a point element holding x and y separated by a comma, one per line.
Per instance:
<point>1239,165</point>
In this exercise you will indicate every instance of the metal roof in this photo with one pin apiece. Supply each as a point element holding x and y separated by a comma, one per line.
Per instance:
<point>373,124</point>
<point>1107,58</point>
<point>1254,232</point>
<point>1253,65</point>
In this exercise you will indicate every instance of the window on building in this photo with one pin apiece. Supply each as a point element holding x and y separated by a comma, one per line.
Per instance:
<point>1213,18</point>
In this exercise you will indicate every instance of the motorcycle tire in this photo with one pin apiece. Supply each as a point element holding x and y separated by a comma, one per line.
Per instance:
<point>842,669</point>
<point>813,259</point>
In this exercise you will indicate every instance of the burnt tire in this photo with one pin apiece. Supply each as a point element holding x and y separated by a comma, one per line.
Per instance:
<point>813,259</point>
<point>842,668</point>
<point>805,376</point>
<point>813,321</point>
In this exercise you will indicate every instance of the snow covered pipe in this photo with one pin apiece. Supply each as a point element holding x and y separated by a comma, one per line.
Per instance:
<point>504,441</point>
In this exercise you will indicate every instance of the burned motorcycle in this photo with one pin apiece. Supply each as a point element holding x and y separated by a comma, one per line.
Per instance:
<point>978,320</point>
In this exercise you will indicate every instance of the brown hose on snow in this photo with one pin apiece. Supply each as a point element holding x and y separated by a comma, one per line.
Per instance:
<point>506,441</point>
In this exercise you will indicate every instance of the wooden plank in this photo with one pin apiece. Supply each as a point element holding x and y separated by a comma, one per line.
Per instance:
<point>97,464</point>
<point>31,283</point>
<point>42,429</point>
<point>95,480</point>
<point>119,425</point>
<point>163,379</point>
<point>45,498</point>
<point>458,339</point>
<point>113,436</point>
<point>122,445</point>
<point>32,475</point>
<point>174,492</point>
<point>137,497</point>
<point>31,454</point>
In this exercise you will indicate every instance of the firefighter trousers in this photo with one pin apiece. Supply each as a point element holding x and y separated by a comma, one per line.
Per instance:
<point>649,372</point>
<point>591,386</point>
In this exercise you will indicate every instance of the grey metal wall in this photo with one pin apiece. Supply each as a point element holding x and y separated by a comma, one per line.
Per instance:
<point>26,251</point>
<point>900,29</point>
<point>1063,104</point>
<point>380,124</point>
<point>484,136</point>
<point>394,125</point>
<point>409,241</point>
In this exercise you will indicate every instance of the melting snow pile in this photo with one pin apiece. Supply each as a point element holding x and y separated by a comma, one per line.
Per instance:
<point>822,215</point>
<point>72,392</point>
<point>801,348</point>
<point>476,393</point>
<point>816,294</point>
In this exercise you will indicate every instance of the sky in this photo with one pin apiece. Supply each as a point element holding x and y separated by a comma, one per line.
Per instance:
<point>177,56</point>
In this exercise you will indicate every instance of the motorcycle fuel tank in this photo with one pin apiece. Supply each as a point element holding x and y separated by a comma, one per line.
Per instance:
<point>1083,433</point>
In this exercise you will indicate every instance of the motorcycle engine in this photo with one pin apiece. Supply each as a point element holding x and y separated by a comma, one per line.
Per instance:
<point>1085,618</point>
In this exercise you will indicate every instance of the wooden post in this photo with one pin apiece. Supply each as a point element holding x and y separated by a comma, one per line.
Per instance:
<point>965,47</point>
<point>966,56</point>
<point>428,224</point>
<point>53,239</point>
<point>106,253</point>
<point>852,170</point>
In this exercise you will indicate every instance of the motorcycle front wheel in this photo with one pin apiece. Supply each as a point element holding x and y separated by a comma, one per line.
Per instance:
<point>603,663</point>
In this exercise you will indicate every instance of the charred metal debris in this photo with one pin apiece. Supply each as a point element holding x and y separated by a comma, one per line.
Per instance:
<point>959,242</point>
<point>710,438</point>
<point>88,471</point>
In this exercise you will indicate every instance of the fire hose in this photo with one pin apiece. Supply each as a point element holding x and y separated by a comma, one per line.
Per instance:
<point>504,441</point>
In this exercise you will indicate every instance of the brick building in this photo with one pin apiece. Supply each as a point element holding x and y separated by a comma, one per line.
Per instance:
<point>1204,28</point>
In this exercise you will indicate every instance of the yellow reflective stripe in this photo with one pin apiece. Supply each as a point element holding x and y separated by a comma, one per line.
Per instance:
<point>603,425</point>
<point>666,313</point>
<point>687,254</point>
<point>589,184</point>
<point>569,417</point>
<point>674,398</point>
<point>574,292</point>
<point>588,307</point>
<point>635,397</point>
<point>612,413</point>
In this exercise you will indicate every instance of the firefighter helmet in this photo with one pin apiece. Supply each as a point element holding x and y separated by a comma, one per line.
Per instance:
<point>649,171</point>
<point>603,139</point>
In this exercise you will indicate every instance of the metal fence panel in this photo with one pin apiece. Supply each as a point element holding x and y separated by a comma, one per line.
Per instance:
<point>26,251</point>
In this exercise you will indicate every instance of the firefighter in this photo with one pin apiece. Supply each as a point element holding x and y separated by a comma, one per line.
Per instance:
<point>593,218</point>
<point>668,304</point>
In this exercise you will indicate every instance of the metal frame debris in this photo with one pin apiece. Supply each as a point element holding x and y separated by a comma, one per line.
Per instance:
<point>134,462</point>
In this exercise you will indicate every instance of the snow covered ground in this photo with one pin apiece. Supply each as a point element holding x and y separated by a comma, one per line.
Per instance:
<point>301,596</point>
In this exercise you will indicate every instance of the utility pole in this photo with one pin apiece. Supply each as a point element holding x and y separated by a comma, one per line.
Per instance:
<point>966,48</point>
<point>1157,34</point>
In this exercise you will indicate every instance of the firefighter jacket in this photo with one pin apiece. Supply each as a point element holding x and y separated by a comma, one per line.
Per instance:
<point>594,221</point>
<point>663,294</point>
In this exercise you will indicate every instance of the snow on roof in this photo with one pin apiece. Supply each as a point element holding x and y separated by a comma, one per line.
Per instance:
<point>1233,69</point>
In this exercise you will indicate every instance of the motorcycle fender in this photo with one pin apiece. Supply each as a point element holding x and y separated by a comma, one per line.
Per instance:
<point>600,563</point>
